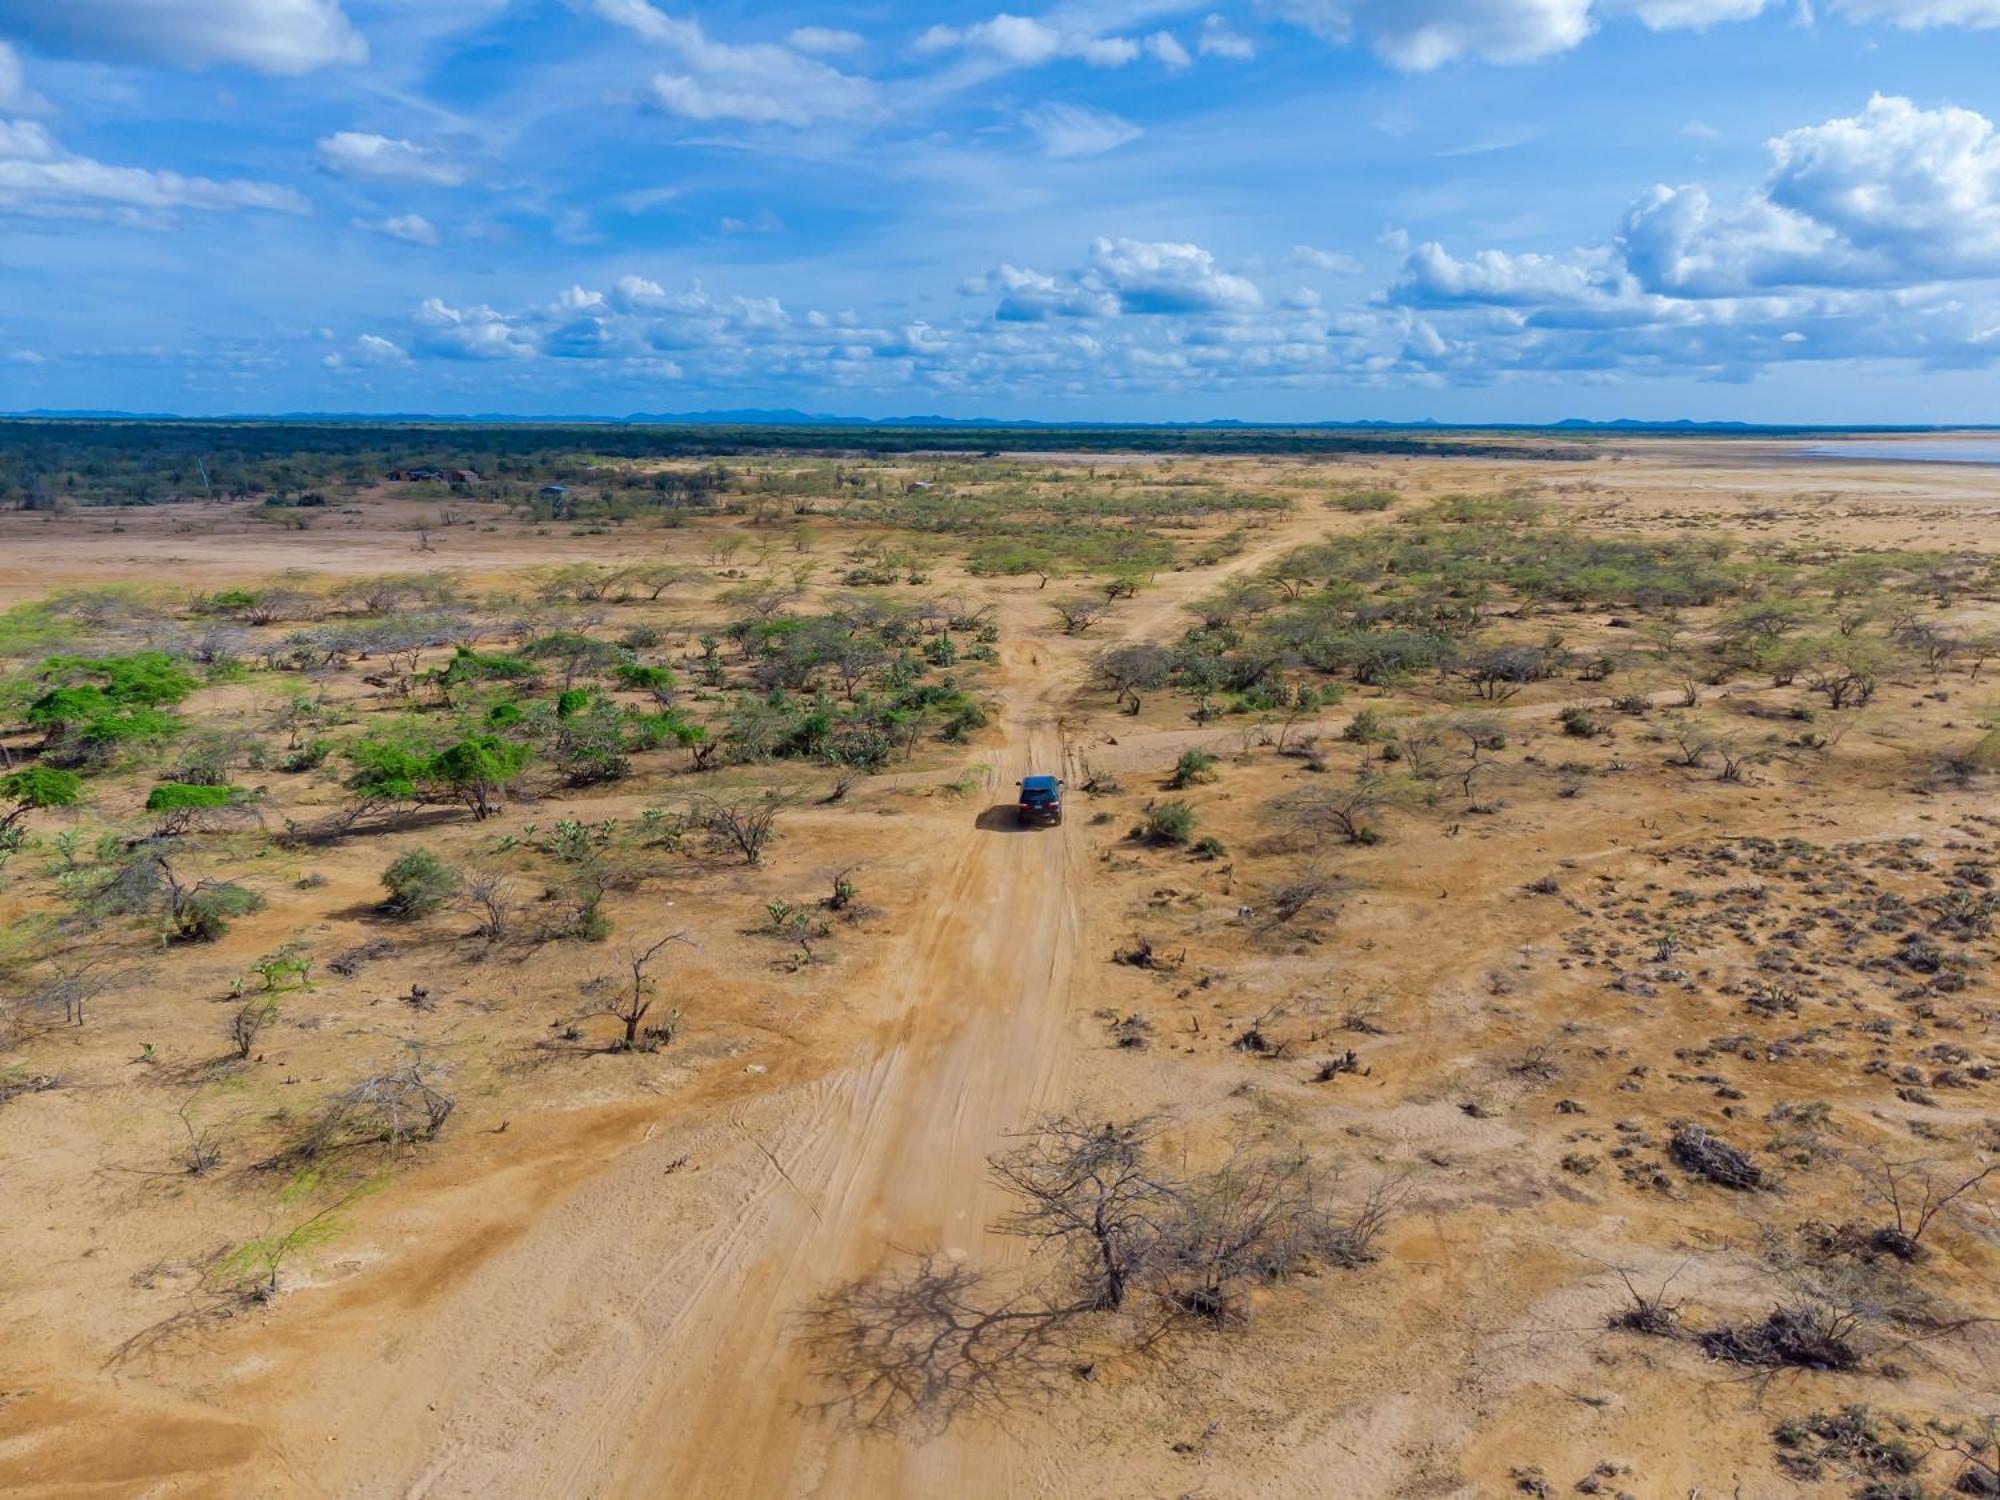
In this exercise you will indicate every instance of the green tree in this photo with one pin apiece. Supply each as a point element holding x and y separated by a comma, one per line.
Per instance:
<point>419,883</point>
<point>37,788</point>
<point>477,770</point>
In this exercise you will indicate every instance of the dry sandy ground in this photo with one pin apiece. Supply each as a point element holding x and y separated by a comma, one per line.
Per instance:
<point>592,1287</point>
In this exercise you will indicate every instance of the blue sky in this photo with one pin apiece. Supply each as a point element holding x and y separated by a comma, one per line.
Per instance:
<point>1113,209</point>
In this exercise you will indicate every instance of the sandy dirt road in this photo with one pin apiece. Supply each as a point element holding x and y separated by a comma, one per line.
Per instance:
<point>606,1352</point>
<point>611,1349</point>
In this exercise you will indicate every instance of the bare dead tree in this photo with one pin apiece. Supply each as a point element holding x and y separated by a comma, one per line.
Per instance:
<point>1914,1196</point>
<point>492,897</point>
<point>1086,1186</point>
<point>744,824</point>
<point>249,1021</point>
<point>1347,813</point>
<point>631,1003</point>
<point>1078,614</point>
<point>202,1152</point>
<point>70,984</point>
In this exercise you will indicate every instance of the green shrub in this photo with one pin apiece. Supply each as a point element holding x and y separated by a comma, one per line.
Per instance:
<point>1192,769</point>
<point>180,804</point>
<point>419,883</point>
<point>1365,500</point>
<point>181,796</point>
<point>207,912</point>
<point>308,757</point>
<point>1167,823</point>
<point>1580,723</point>
<point>1365,728</point>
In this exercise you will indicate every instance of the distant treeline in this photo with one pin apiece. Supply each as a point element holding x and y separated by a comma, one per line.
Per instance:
<point>88,462</point>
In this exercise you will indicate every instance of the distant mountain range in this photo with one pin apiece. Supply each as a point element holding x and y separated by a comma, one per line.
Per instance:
<point>791,417</point>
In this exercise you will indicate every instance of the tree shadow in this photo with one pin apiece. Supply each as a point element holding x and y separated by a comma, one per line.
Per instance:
<point>914,1349</point>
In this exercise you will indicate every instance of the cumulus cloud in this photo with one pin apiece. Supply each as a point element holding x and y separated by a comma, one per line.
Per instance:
<point>1872,237</point>
<point>1433,278</point>
<point>15,95</point>
<point>1663,15</point>
<point>1917,14</point>
<point>1331,261</point>
<point>1896,195</point>
<point>271,36</point>
<point>411,229</point>
<point>38,176</point>
<point>355,153</point>
<point>824,40</point>
<point>757,83</point>
<point>1165,48</point>
<point>476,332</point>
<point>1028,42</point>
<point>1423,34</point>
<point>1070,130</point>
<point>1419,35</point>
<point>1218,39</point>
<point>1143,277</point>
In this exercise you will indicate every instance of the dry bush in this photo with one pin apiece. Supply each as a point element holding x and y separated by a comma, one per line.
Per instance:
<point>1913,1195</point>
<point>744,824</point>
<point>1695,1150</point>
<point>399,1106</point>
<point>1113,1232</point>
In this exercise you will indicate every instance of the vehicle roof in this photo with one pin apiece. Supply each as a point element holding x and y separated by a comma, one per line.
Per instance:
<point>1039,783</point>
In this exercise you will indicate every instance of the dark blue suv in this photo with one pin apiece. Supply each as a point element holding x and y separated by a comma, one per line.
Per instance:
<point>1041,801</point>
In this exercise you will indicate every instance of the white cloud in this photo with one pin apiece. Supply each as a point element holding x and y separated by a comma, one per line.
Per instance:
<point>476,332</point>
<point>1872,238</point>
<point>1420,35</point>
<point>272,36</point>
<point>1070,130</point>
<point>824,40</point>
<point>1158,276</point>
<point>1027,42</point>
<point>761,222</point>
<point>38,176</point>
<point>758,83</point>
<point>1219,40</point>
<point>1432,278</point>
<point>15,95</point>
<point>371,350</point>
<point>1331,261</point>
<point>1916,14</point>
<point>1423,34</point>
<point>1665,15</point>
<point>1123,276</point>
<point>411,229</point>
<point>355,153</point>
<point>1894,196</point>
<point>1167,50</point>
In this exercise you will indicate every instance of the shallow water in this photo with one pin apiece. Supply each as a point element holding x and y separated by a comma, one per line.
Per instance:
<point>1969,450</point>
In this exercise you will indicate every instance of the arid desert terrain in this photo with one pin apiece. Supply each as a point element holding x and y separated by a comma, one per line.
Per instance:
<point>511,996</point>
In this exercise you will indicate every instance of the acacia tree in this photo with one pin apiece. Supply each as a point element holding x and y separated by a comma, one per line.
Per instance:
<point>35,789</point>
<point>477,770</point>
<point>1127,671</point>
<point>1347,813</point>
<point>1080,613</point>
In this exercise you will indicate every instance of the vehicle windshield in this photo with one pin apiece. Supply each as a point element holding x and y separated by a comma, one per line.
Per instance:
<point>1038,794</point>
